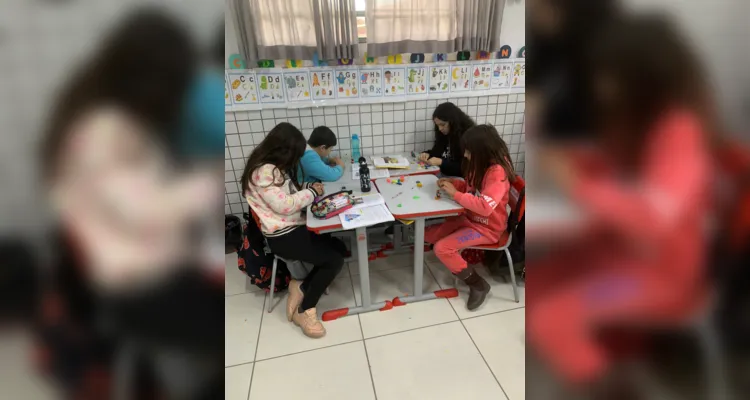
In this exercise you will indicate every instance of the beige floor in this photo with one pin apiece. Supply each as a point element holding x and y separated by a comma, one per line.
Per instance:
<point>430,350</point>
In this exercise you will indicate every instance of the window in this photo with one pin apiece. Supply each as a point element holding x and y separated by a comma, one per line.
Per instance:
<point>360,6</point>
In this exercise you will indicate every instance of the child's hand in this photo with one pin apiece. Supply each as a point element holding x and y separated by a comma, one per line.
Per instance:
<point>318,187</point>
<point>424,157</point>
<point>435,162</point>
<point>443,180</point>
<point>448,188</point>
<point>338,161</point>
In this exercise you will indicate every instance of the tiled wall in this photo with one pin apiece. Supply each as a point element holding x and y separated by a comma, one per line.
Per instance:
<point>386,128</point>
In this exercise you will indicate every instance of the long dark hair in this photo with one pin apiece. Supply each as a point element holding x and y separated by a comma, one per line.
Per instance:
<point>283,148</point>
<point>654,70</point>
<point>458,122</point>
<point>486,148</point>
<point>143,66</point>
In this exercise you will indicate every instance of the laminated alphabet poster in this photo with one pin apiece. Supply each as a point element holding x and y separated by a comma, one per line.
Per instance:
<point>270,89</point>
<point>371,82</point>
<point>501,72</point>
<point>297,85</point>
<point>416,80</point>
<point>347,83</point>
<point>322,84</point>
<point>440,79</point>
<point>243,88</point>
<point>460,78</point>
<point>481,76</point>
<point>519,74</point>
<point>393,81</point>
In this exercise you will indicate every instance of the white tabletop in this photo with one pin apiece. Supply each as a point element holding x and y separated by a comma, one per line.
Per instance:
<point>407,201</point>
<point>347,183</point>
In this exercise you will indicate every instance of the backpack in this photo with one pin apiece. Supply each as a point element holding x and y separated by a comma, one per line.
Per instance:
<point>255,259</point>
<point>232,234</point>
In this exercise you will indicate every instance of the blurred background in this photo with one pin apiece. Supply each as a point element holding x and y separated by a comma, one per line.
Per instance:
<point>66,329</point>
<point>637,211</point>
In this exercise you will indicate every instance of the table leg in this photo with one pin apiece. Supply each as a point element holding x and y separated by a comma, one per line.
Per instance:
<point>364,283</point>
<point>397,231</point>
<point>417,295</point>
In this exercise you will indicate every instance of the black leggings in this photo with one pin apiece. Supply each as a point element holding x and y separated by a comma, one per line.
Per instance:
<point>322,251</point>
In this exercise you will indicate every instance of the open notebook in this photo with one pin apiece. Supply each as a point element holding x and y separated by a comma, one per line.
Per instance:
<point>397,162</point>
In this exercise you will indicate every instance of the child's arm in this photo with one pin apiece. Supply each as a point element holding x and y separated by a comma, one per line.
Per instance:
<point>459,184</point>
<point>496,187</point>
<point>676,172</point>
<point>314,167</point>
<point>280,202</point>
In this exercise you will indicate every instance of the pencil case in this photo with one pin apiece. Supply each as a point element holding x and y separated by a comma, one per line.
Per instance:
<point>332,204</point>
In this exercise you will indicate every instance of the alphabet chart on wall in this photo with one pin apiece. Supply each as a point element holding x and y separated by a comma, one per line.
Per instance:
<point>347,85</point>
<point>439,79</point>
<point>519,74</point>
<point>270,88</point>
<point>501,72</point>
<point>275,87</point>
<point>393,81</point>
<point>481,76</point>
<point>322,84</point>
<point>371,82</point>
<point>460,78</point>
<point>244,88</point>
<point>416,78</point>
<point>297,85</point>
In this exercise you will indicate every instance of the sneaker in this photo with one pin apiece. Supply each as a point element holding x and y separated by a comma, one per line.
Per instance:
<point>294,299</point>
<point>309,323</point>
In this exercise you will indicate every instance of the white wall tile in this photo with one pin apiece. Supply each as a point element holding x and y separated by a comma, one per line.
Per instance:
<point>342,119</point>
<point>377,117</point>
<point>330,120</point>
<point>306,123</point>
<point>230,127</point>
<point>268,124</point>
<point>354,119</point>
<point>365,118</point>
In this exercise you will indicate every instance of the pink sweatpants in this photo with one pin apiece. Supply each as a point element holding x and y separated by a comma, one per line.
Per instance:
<point>452,236</point>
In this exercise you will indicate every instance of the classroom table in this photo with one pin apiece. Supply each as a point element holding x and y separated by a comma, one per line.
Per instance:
<point>409,201</point>
<point>334,225</point>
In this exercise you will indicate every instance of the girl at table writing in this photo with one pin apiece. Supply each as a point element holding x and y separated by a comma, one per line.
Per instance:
<point>450,125</point>
<point>271,187</point>
<point>488,174</point>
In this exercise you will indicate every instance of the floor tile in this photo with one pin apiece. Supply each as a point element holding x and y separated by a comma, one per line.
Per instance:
<point>280,337</point>
<point>235,281</point>
<point>439,362</point>
<point>237,382</point>
<point>500,297</point>
<point>385,285</point>
<point>501,340</point>
<point>242,315</point>
<point>334,373</point>
<point>400,260</point>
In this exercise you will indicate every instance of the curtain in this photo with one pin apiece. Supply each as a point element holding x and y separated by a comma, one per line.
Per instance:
<point>432,26</point>
<point>336,29</point>
<point>294,29</point>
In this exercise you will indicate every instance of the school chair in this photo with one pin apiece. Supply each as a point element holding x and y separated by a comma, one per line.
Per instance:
<point>517,202</point>
<point>297,269</point>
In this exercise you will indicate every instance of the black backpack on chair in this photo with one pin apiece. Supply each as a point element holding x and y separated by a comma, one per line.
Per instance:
<point>232,234</point>
<point>255,259</point>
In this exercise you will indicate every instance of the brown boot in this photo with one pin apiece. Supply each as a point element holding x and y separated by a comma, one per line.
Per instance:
<point>478,287</point>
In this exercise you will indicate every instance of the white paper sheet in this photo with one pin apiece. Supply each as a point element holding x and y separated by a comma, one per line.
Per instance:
<point>367,216</point>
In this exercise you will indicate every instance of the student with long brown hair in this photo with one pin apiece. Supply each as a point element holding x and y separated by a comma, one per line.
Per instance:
<point>488,173</point>
<point>647,202</point>
<point>272,187</point>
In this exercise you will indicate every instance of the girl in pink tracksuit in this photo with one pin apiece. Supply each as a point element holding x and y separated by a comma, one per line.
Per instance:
<point>484,195</point>
<point>643,265</point>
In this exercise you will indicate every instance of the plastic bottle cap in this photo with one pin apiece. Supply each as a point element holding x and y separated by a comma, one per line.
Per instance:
<point>354,136</point>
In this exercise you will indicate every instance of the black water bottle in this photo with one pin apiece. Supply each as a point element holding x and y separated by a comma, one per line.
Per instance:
<point>364,175</point>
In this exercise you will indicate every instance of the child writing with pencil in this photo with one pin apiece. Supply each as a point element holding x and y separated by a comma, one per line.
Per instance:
<point>488,173</point>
